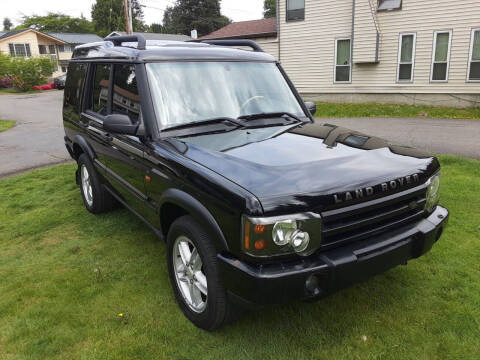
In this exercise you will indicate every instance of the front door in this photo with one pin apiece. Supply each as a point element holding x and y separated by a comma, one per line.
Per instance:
<point>126,168</point>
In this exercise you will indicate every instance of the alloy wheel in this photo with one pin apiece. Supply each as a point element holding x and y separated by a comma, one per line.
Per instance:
<point>189,274</point>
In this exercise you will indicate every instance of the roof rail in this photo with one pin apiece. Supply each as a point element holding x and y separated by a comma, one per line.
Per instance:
<point>118,40</point>
<point>249,43</point>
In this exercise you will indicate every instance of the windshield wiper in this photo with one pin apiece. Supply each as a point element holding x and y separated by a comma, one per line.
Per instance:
<point>216,120</point>
<point>269,116</point>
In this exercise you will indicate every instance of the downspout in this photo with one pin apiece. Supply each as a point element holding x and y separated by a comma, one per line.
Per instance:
<point>353,37</point>
<point>277,10</point>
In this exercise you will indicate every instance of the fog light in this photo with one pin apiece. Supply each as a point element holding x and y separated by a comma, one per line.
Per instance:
<point>300,240</point>
<point>312,284</point>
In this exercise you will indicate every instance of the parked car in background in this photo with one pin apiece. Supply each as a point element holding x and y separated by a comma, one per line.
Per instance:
<point>59,82</point>
<point>257,202</point>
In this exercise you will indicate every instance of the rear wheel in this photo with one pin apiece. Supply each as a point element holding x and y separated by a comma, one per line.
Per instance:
<point>96,199</point>
<point>193,270</point>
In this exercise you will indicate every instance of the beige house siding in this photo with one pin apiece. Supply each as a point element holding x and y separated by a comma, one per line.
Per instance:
<point>307,47</point>
<point>365,30</point>
<point>269,45</point>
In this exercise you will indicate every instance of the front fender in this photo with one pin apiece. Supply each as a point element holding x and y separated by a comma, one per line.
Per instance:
<point>196,209</point>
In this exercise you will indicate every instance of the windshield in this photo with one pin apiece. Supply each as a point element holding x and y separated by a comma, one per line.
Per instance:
<point>186,92</point>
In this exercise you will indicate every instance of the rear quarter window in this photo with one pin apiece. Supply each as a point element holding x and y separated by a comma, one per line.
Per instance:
<point>74,87</point>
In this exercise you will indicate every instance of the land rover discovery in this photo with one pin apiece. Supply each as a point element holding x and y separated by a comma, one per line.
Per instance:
<point>258,203</point>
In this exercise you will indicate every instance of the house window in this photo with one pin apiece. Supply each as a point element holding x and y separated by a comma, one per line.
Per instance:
<point>388,5</point>
<point>342,60</point>
<point>19,50</point>
<point>42,49</point>
<point>295,10</point>
<point>406,57</point>
<point>64,48</point>
<point>51,49</point>
<point>474,58</point>
<point>441,55</point>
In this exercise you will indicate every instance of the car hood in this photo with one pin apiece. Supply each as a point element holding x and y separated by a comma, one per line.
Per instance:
<point>309,166</point>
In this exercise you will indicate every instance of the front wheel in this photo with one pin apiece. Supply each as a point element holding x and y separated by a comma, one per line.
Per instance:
<point>193,270</point>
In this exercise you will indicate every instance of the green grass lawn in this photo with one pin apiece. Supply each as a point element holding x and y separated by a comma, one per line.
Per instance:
<point>17,91</point>
<point>6,124</point>
<point>65,275</point>
<point>392,110</point>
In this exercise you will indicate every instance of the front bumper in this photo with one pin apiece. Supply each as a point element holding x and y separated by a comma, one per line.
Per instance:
<point>328,271</point>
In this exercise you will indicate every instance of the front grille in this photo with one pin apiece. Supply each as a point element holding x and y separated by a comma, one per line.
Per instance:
<point>372,218</point>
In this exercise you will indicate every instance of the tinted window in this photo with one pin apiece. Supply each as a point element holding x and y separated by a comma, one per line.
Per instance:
<point>125,92</point>
<point>74,85</point>
<point>99,95</point>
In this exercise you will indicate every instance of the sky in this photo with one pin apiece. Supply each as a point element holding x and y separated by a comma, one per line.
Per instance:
<point>237,10</point>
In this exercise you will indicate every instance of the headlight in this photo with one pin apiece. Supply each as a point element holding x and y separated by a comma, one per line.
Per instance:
<point>433,192</point>
<point>299,233</point>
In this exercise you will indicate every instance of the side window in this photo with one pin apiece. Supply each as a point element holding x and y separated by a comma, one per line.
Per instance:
<point>74,85</point>
<point>295,10</point>
<point>342,60</point>
<point>99,94</point>
<point>125,92</point>
<point>406,57</point>
<point>474,59</point>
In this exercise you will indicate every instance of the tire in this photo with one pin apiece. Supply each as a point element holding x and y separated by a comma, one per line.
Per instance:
<point>96,199</point>
<point>216,309</point>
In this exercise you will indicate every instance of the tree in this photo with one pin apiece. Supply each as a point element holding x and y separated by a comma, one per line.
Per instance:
<point>269,8</point>
<point>186,15</point>
<point>156,28</point>
<point>7,24</point>
<point>57,22</point>
<point>109,15</point>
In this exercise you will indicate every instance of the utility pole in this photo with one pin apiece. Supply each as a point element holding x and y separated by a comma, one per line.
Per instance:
<point>130,15</point>
<point>127,13</point>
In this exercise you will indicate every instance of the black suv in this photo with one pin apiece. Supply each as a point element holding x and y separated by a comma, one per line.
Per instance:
<point>257,202</point>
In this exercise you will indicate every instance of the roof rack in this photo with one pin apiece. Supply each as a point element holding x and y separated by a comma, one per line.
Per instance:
<point>249,43</point>
<point>118,40</point>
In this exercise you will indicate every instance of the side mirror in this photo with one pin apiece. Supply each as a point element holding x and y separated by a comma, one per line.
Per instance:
<point>119,124</point>
<point>311,106</point>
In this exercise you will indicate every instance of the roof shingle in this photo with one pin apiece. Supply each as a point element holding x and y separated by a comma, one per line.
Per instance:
<point>247,29</point>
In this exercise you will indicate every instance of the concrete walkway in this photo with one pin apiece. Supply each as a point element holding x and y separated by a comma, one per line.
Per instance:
<point>37,139</point>
<point>443,136</point>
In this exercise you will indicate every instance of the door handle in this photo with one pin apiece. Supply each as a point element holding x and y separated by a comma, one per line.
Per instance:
<point>83,124</point>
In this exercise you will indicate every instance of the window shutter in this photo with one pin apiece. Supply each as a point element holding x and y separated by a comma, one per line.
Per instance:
<point>12,49</point>
<point>27,48</point>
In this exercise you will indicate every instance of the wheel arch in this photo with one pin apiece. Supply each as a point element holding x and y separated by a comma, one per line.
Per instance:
<point>80,145</point>
<point>176,203</point>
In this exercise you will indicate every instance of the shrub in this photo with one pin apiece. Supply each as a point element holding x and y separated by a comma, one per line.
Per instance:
<point>5,83</point>
<point>25,73</point>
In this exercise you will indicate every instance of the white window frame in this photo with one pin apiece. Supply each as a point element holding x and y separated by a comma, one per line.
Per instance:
<point>335,62</point>
<point>434,50</point>
<point>412,75</point>
<point>24,47</point>
<point>470,55</point>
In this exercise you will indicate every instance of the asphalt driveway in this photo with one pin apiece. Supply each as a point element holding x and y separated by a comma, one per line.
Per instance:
<point>442,136</point>
<point>37,139</point>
